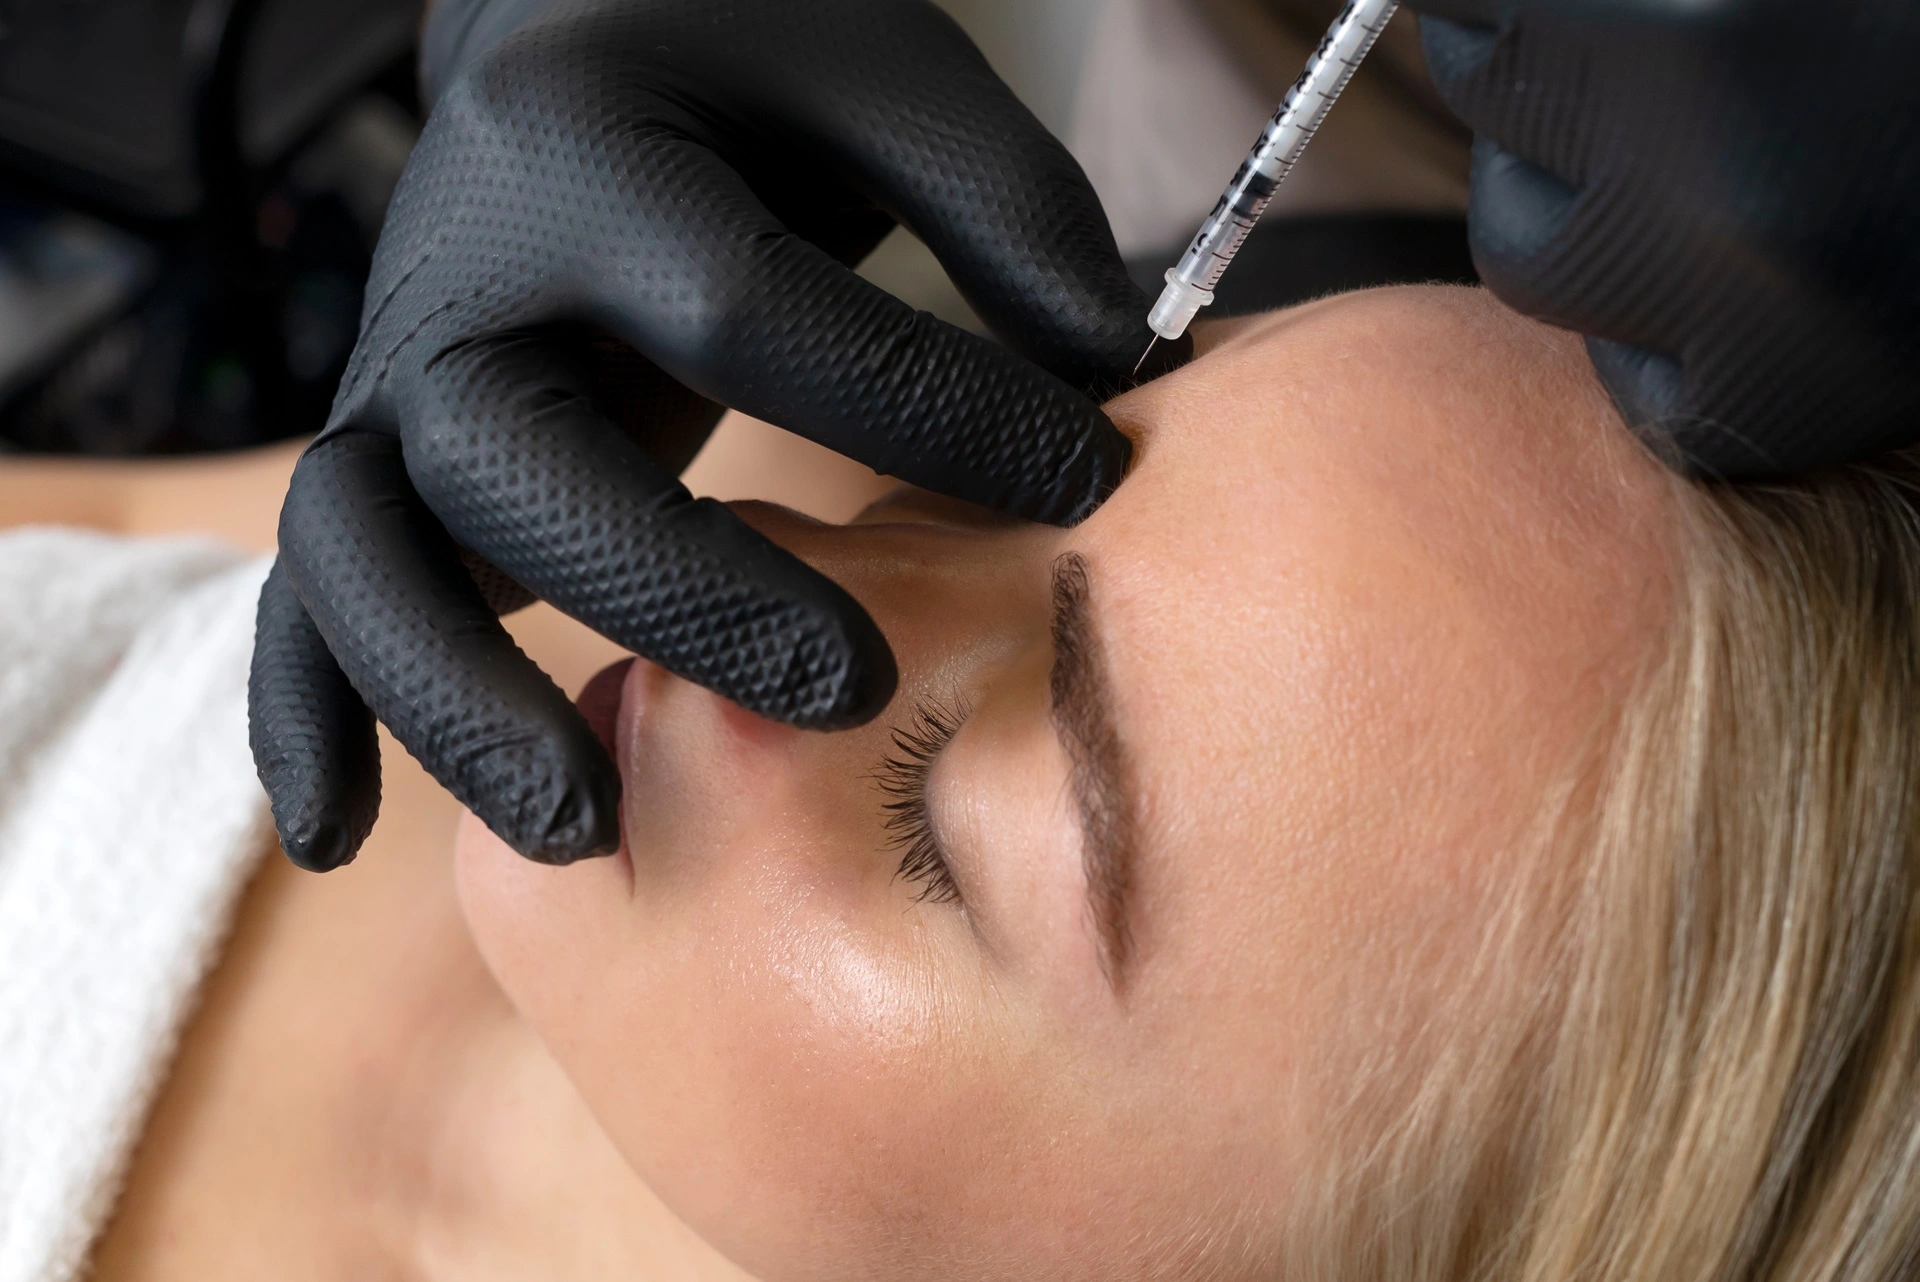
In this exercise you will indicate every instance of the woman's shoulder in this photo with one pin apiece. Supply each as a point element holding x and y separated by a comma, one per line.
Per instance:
<point>129,819</point>
<point>232,497</point>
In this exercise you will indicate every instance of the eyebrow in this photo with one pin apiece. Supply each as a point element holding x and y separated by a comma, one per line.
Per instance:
<point>1083,718</point>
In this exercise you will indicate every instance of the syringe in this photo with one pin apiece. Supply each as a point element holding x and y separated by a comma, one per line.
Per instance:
<point>1190,285</point>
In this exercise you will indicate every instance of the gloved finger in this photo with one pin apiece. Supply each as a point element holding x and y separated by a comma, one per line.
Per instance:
<point>503,593</point>
<point>1457,48</point>
<point>789,335</point>
<point>313,740</point>
<point>1475,67</point>
<point>384,586</point>
<point>665,418</point>
<point>949,149</point>
<point>1518,214</point>
<point>507,448</point>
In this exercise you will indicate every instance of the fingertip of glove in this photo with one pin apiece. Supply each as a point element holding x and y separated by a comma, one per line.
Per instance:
<point>1646,388</point>
<point>836,673</point>
<point>873,688</point>
<point>1091,480</point>
<point>319,847</point>
<point>582,823</point>
<point>857,693</point>
<point>321,823</point>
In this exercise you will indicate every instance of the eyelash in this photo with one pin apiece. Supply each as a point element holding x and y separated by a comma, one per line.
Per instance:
<point>902,778</point>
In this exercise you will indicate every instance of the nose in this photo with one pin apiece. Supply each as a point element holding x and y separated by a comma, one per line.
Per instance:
<point>957,603</point>
<point>949,585</point>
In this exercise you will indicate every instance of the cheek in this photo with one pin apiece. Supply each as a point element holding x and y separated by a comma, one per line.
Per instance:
<point>799,1076</point>
<point>535,926</point>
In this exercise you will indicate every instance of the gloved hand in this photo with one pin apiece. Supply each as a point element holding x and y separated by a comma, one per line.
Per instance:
<point>623,214</point>
<point>1723,196</point>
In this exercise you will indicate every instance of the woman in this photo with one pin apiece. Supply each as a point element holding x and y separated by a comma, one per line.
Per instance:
<point>1516,882</point>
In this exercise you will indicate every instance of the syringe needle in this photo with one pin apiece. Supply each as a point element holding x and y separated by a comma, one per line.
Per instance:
<point>1142,363</point>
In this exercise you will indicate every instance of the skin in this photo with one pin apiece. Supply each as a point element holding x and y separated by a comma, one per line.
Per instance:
<point>1385,563</point>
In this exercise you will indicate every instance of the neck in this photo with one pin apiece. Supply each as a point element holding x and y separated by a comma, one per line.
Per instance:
<point>356,1092</point>
<point>507,1175</point>
<point>486,1161</point>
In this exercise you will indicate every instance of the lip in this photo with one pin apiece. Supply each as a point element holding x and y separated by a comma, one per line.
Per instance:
<point>706,729</point>
<point>639,692</point>
<point>600,702</point>
<point>604,702</point>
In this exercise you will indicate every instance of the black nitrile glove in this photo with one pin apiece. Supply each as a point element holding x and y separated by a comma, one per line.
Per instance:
<point>1724,196</point>
<point>622,215</point>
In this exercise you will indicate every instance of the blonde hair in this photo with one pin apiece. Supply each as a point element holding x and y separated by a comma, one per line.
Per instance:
<point>1708,1064</point>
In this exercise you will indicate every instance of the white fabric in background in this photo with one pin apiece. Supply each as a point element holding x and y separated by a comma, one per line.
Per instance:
<point>1165,114</point>
<point>130,820</point>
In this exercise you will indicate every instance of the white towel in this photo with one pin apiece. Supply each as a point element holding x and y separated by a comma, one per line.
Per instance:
<point>130,820</point>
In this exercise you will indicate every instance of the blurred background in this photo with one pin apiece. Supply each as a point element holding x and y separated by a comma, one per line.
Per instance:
<point>190,191</point>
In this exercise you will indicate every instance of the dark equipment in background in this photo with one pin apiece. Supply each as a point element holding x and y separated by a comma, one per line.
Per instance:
<point>190,191</point>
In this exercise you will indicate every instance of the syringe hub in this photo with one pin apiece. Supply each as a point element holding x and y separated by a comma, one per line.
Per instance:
<point>1179,304</point>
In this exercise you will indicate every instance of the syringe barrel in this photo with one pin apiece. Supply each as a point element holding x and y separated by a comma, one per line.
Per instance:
<point>1282,142</point>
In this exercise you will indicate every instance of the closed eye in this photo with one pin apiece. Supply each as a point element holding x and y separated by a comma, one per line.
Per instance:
<point>902,779</point>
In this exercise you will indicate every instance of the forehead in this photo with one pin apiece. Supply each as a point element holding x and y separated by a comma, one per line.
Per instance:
<point>1383,561</point>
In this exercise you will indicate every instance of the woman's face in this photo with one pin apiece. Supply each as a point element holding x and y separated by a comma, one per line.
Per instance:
<point>1222,786</point>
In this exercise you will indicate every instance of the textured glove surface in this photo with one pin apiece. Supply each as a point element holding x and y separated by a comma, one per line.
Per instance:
<point>622,215</point>
<point>1723,196</point>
